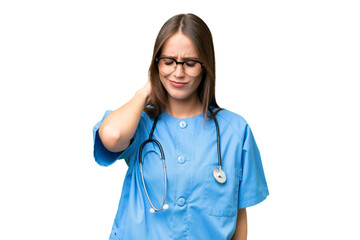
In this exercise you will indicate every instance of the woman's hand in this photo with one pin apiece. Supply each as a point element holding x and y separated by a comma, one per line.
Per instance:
<point>119,127</point>
<point>147,92</point>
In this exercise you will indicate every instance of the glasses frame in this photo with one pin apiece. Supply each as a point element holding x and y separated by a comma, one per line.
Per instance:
<point>182,63</point>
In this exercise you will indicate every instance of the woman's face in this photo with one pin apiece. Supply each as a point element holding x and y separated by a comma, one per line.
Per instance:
<point>178,84</point>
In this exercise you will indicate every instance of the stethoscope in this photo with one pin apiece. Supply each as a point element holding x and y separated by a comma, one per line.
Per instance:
<point>218,173</point>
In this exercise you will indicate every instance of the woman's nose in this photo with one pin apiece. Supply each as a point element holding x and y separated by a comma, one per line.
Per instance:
<point>179,70</point>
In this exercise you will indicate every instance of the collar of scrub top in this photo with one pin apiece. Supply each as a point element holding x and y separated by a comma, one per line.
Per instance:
<point>218,173</point>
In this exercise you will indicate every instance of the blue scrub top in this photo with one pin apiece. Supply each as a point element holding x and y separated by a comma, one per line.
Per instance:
<point>199,206</point>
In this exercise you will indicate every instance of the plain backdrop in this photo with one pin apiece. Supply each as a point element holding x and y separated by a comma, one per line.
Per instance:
<point>290,68</point>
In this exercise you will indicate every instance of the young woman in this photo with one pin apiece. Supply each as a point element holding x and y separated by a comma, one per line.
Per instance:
<point>194,168</point>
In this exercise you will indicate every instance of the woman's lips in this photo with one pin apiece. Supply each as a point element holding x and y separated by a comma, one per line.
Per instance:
<point>177,84</point>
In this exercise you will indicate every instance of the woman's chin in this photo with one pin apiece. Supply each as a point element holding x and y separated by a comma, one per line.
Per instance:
<point>178,97</point>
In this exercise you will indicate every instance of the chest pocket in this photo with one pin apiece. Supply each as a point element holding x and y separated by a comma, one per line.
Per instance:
<point>221,199</point>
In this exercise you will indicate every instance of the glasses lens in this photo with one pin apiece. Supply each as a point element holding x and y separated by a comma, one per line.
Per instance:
<point>192,68</point>
<point>167,65</point>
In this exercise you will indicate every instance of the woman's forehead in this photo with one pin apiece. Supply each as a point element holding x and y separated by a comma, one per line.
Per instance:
<point>179,45</point>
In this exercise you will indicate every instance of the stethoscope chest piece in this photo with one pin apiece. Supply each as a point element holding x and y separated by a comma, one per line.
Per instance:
<point>219,175</point>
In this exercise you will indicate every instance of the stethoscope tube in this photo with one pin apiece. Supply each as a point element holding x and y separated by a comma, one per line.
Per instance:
<point>218,173</point>
<point>217,138</point>
<point>150,139</point>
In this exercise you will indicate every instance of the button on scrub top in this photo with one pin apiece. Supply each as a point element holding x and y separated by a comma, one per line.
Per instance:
<point>199,206</point>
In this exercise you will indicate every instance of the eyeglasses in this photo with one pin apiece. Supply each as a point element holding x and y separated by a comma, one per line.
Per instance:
<point>168,65</point>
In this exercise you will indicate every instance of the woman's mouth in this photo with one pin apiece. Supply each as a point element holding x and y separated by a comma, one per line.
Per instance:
<point>177,84</point>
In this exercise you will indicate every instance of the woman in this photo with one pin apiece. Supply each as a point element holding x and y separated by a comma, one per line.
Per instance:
<point>201,195</point>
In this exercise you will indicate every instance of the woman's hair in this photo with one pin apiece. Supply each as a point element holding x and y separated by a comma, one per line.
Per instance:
<point>197,30</point>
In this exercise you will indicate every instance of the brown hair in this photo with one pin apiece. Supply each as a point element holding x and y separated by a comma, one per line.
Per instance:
<point>197,30</point>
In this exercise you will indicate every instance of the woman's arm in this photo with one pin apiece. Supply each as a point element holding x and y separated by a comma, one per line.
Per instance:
<point>119,127</point>
<point>241,225</point>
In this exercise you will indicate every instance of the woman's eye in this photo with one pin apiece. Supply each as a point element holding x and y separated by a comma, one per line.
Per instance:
<point>168,61</point>
<point>190,63</point>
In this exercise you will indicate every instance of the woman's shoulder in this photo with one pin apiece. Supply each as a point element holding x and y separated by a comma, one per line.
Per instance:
<point>234,121</point>
<point>146,120</point>
<point>231,118</point>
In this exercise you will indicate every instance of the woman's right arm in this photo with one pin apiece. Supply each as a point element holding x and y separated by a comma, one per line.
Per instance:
<point>119,127</point>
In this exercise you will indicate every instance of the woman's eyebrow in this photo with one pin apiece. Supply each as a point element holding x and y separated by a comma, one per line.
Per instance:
<point>190,58</point>
<point>185,58</point>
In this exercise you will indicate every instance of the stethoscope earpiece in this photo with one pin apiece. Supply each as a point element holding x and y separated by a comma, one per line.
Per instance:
<point>165,206</point>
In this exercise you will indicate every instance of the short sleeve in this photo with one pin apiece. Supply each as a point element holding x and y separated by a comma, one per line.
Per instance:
<point>253,187</point>
<point>105,157</point>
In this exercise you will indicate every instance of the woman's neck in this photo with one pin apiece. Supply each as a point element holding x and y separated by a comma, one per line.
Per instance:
<point>185,108</point>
